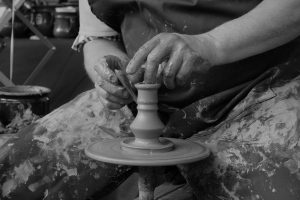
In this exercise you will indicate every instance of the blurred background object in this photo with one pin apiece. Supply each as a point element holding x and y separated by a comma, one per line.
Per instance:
<point>45,61</point>
<point>21,105</point>
<point>66,23</point>
<point>53,18</point>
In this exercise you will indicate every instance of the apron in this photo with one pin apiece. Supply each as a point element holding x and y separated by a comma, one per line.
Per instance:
<point>247,112</point>
<point>206,98</point>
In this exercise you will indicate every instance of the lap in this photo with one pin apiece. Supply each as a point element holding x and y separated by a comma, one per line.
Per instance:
<point>255,152</point>
<point>47,158</point>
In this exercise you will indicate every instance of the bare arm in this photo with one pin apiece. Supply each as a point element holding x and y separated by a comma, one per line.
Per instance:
<point>269,25</point>
<point>101,71</point>
<point>96,49</point>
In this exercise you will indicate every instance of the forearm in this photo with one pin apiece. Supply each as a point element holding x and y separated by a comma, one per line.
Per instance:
<point>96,49</point>
<point>271,24</point>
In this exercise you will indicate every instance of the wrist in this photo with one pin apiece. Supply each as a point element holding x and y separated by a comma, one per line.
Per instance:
<point>208,48</point>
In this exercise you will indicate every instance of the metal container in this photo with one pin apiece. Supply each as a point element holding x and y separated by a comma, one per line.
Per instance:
<point>16,100</point>
<point>20,29</point>
<point>66,23</point>
<point>43,19</point>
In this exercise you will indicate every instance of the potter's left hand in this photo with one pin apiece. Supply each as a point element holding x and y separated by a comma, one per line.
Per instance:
<point>110,91</point>
<point>180,54</point>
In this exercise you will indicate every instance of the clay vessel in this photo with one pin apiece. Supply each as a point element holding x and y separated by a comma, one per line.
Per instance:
<point>147,126</point>
<point>43,19</point>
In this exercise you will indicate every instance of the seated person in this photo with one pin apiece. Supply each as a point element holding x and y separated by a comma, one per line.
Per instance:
<point>230,77</point>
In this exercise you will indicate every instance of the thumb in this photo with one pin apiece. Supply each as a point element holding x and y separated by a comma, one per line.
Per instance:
<point>138,76</point>
<point>117,62</point>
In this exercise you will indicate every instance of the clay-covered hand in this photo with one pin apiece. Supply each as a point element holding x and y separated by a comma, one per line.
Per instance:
<point>110,91</point>
<point>170,58</point>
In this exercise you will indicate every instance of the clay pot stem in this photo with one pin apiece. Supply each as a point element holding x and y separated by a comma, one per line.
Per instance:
<point>146,183</point>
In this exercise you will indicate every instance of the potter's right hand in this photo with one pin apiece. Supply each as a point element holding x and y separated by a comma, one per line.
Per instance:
<point>111,93</point>
<point>180,55</point>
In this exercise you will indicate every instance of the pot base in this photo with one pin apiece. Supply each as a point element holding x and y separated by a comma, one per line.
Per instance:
<point>159,145</point>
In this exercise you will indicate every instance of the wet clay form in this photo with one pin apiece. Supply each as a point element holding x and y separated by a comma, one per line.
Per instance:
<point>147,148</point>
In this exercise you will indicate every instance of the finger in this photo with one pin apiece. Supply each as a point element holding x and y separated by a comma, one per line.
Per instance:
<point>156,56</point>
<point>116,62</point>
<point>110,100</point>
<point>110,105</point>
<point>105,72</point>
<point>138,76</point>
<point>160,74</point>
<point>172,68</point>
<point>119,91</point>
<point>141,55</point>
<point>186,68</point>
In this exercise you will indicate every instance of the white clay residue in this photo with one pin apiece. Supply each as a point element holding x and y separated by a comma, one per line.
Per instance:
<point>231,194</point>
<point>46,193</point>
<point>75,126</point>
<point>24,171</point>
<point>274,122</point>
<point>8,187</point>
<point>33,187</point>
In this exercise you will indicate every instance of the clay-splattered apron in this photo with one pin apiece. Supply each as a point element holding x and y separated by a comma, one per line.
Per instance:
<point>256,149</point>
<point>253,134</point>
<point>138,21</point>
<point>46,160</point>
<point>252,106</point>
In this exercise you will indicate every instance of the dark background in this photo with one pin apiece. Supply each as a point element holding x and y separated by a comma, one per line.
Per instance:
<point>64,72</point>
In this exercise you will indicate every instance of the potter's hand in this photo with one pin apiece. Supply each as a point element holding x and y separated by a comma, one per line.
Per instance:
<point>111,93</point>
<point>177,53</point>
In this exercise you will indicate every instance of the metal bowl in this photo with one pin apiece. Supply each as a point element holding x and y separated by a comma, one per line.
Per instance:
<point>21,100</point>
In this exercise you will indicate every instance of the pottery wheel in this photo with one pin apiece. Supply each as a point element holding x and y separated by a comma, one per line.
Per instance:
<point>182,152</point>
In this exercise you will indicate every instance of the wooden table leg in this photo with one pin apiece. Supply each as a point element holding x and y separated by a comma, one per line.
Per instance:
<point>146,183</point>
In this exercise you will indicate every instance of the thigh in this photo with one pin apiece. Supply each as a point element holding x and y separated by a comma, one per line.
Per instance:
<point>47,160</point>
<point>255,152</point>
